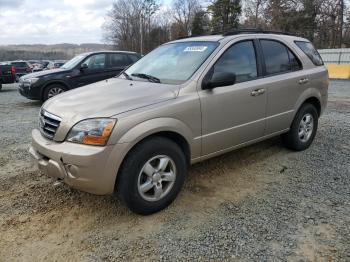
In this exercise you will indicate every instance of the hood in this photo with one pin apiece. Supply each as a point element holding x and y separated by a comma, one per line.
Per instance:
<point>43,73</point>
<point>108,98</point>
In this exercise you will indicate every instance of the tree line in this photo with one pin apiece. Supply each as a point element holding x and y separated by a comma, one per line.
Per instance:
<point>142,25</point>
<point>11,55</point>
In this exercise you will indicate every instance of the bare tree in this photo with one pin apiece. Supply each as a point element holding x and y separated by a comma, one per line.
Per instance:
<point>254,10</point>
<point>184,13</point>
<point>129,24</point>
<point>140,25</point>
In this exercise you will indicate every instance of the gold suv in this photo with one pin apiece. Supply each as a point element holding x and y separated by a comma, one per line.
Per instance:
<point>188,100</point>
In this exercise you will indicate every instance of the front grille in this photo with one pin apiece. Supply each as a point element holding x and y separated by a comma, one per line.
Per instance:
<point>48,124</point>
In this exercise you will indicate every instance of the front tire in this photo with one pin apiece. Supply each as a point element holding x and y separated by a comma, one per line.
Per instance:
<point>152,175</point>
<point>53,90</point>
<point>303,128</point>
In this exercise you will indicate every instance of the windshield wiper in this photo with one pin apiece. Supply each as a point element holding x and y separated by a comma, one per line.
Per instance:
<point>148,77</point>
<point>126,75</point>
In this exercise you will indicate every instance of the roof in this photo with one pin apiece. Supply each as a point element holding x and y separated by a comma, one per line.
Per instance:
<point>109,51</point>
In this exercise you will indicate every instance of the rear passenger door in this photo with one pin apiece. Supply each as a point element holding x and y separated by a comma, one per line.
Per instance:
<point>117,62</point>
<point>284,75</point>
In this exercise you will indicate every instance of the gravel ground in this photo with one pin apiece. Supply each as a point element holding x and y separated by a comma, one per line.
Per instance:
<point>261,203</point>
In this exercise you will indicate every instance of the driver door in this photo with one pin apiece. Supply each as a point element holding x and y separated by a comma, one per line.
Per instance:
<point>95,71</point>
<point>234,114</point>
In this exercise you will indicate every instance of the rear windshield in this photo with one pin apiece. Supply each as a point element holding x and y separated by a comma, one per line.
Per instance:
<point>19,64</point>
<point>310,51</point>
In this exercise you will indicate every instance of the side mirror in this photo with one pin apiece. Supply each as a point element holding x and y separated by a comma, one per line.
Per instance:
<point>84,66</point>
<point>219,79</point>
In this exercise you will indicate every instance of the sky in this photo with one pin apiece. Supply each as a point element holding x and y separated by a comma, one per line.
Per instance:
<point>52,21</point>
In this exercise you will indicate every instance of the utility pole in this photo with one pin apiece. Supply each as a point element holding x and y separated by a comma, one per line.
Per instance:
<point>341,17</point>
<point>141,35</point>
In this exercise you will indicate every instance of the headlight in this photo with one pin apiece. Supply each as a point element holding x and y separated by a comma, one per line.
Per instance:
<point>30,81</point>
<point>92,131</point>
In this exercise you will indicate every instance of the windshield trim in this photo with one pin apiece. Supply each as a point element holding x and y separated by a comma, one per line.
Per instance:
<point>83,57</point>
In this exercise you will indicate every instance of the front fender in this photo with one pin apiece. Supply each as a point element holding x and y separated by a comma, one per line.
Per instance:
<point>152,126</point>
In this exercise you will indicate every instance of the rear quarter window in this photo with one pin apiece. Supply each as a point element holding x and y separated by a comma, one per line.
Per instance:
<point>310,52</point>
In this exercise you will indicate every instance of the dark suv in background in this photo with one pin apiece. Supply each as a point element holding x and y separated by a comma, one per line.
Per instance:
<point>22,68</point>
<point>7,74</point>
<point>82,70</point>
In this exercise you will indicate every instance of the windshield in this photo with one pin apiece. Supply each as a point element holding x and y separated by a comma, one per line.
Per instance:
<point>73,62</point>
<point>172,63</point>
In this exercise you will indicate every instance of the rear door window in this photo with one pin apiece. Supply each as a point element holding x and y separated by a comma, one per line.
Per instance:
<point>118,60</point>
<point>310,51</point>
<point>275,56</point>
<point>294,61</point>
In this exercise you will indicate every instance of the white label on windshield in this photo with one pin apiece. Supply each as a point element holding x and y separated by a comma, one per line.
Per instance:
<point>195,49</point>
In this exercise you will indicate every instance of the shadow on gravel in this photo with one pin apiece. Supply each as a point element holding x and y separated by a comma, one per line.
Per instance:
<point>243,155</point>
<point>29,104</point>
<point>8,90</point>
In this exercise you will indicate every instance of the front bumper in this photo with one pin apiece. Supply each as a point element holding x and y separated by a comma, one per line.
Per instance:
<point>88,168</point>
<point>30,92</point>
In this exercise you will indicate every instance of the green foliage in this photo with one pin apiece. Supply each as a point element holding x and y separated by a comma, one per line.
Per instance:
<point>225,14</point>
<point>200,24</point>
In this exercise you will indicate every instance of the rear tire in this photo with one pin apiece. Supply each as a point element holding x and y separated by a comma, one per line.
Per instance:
<point>151,176</point>
<point>303,129</point>
<point>53,90</point>
<point>0,86</point>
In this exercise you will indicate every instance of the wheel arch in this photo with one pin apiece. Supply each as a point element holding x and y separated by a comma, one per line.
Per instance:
<point>173,136</point>
<point>311,96</point>
<point>173,130</point>
<point>315,102</point>
<point>53,82</point>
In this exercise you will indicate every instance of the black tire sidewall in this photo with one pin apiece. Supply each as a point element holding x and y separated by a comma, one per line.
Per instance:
<point>127,187</point>
<point>297,143</point>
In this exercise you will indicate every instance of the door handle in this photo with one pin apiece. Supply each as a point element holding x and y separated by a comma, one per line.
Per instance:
<point>257,92</point>
<point>303,81</point>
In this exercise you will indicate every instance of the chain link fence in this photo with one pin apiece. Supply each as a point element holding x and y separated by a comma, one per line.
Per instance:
<point>335,56</point>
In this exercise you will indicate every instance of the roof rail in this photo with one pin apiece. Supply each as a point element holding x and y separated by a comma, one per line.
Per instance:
<point>254,31</point>
<point>186,36</point>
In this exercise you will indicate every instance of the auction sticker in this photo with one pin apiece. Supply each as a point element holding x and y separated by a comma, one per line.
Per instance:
<point>195,49</point>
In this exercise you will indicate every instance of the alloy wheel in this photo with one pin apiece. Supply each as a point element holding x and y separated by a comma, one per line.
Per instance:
<point>54,92</point>
<point>306,127</point>
<point>156,178</point>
